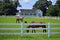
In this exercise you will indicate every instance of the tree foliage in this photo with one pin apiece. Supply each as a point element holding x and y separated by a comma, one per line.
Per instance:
<point>54,10</point>
<point>1,8</point>
<point>58,4</point>
<point>42,5</point>
<point>38,4</point>
<point>7,8</point>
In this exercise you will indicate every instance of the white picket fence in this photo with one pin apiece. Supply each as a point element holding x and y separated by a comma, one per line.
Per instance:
<point>22,28</point>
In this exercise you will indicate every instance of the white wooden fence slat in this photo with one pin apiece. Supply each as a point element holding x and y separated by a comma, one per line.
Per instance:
<point>48,29</point>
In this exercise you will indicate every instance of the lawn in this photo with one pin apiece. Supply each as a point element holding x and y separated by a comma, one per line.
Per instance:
<point>30,36</point>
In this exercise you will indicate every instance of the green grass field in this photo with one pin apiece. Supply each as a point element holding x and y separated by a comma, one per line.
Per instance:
<point>30,36</point>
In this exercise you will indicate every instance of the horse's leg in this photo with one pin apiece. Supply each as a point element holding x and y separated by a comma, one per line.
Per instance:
<point>32,31</point>
<point>44,26</point>
<point>43,30</point>
<point>27,31</point>
<point>35,31</point>
<point>21,20</point>
<point>16,20</point>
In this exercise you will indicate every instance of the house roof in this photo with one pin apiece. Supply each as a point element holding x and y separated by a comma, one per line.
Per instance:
<point>28,11</point>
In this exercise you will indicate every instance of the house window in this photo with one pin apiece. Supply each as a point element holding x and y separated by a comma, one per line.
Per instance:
<point>34,14</point>
<point>31,14</point>
<point>25,13</point>
<point>21,14</point>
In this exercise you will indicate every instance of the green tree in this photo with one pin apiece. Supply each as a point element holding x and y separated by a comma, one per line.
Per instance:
<point>1,8</point>
<point>58,4</point>
<point>53,10</point>
<point>39,3</point>
<point>42,5</point>
<point>7,8</point>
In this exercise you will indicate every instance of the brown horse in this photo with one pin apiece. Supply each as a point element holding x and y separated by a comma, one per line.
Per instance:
<point>37,26</point>
<point>19,18</point>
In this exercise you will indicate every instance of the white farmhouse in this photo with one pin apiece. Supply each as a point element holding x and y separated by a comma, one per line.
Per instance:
<point>30,13</point>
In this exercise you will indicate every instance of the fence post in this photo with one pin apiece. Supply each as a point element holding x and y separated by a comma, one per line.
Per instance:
<point>22,29</point>
<point>48,30</point>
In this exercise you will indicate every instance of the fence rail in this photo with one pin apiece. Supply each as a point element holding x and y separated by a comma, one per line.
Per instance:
<point>13,24</point>
<point>29,33</point>
<point>29,28</point>
<point>22,29</point>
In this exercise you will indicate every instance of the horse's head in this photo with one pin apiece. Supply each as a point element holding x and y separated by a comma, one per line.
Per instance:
<point>25,21</point>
